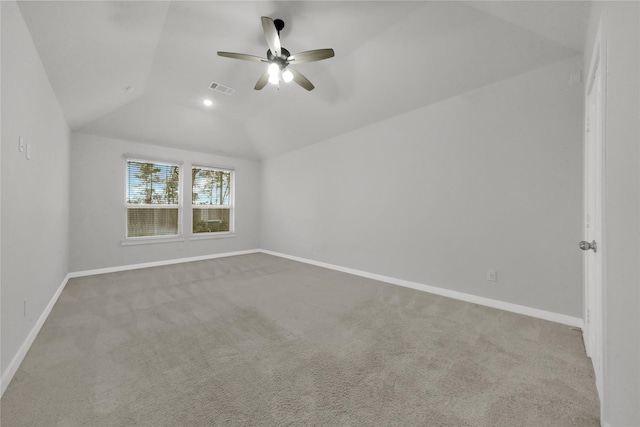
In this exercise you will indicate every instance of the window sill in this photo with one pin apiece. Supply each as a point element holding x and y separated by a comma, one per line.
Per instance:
<point>207,236</point>
<point>151,240</point>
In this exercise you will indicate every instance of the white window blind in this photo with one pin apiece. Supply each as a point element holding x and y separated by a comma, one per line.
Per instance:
<point>212,200</point>
<point>152,198</point>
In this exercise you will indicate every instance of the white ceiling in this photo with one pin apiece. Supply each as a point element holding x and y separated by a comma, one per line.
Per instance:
<point>391,57</point>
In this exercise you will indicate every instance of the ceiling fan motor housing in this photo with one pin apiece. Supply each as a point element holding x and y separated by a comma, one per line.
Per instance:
<point>281,60</point>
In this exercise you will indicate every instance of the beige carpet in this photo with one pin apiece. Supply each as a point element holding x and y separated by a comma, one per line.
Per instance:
<point>259,340</point>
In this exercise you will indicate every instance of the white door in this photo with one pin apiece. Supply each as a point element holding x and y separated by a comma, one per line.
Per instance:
<point>593,244</point>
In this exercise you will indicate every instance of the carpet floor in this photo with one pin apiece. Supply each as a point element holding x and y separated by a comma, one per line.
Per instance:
<point>258,340</point>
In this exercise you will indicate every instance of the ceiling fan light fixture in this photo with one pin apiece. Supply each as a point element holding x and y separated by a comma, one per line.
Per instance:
<point>287,76</point>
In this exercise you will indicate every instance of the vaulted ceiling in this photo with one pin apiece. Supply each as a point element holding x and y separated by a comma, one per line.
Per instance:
<point>140,70</point>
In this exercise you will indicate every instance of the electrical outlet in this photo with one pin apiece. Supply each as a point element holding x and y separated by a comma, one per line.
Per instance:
<point>492,275</point>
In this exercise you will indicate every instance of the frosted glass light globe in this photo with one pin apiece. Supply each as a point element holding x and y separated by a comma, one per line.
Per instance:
<point>273,69</point>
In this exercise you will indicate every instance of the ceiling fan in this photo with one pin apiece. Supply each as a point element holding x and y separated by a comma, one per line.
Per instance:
<point>279,58</point>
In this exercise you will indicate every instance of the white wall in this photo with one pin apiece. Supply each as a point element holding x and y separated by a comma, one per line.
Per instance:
<point>488,179</point>
<point>97,205</point>
<point>35,193</point>
<point>621,247</point>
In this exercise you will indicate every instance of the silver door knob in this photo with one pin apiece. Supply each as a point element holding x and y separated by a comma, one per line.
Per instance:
<point>585,246</point>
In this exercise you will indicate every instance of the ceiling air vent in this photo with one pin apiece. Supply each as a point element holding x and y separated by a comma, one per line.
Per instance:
<point>221,88</point>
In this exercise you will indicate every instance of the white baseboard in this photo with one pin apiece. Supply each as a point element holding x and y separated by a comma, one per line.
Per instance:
<point>501,305</point>
<point>11,370</point>
<point>158,263</point>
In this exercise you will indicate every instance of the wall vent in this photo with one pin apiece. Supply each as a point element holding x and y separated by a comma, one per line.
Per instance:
<point>221,88</point>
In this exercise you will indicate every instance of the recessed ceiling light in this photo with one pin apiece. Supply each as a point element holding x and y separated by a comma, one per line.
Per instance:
<point>208,102</point>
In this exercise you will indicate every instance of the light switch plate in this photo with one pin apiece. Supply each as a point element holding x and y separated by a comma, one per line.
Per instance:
<point>20,144</point>
<point>28,151</point>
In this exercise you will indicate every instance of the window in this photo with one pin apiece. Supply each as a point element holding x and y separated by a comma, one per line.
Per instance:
<point>152,199</point>
<point>212,200</point>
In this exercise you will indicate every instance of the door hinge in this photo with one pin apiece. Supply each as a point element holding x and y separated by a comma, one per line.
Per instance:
<point>588,316</point>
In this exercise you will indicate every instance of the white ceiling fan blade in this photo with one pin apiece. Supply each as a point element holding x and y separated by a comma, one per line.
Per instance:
<point>271,34</point>
<point>262,81</point>
<point>300,79</point>
<point>311,56</point>
<point>242,56</point>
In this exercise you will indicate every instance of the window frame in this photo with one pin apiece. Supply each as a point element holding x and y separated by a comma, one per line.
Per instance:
<point>133,240</point>
<point>230,206</point>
